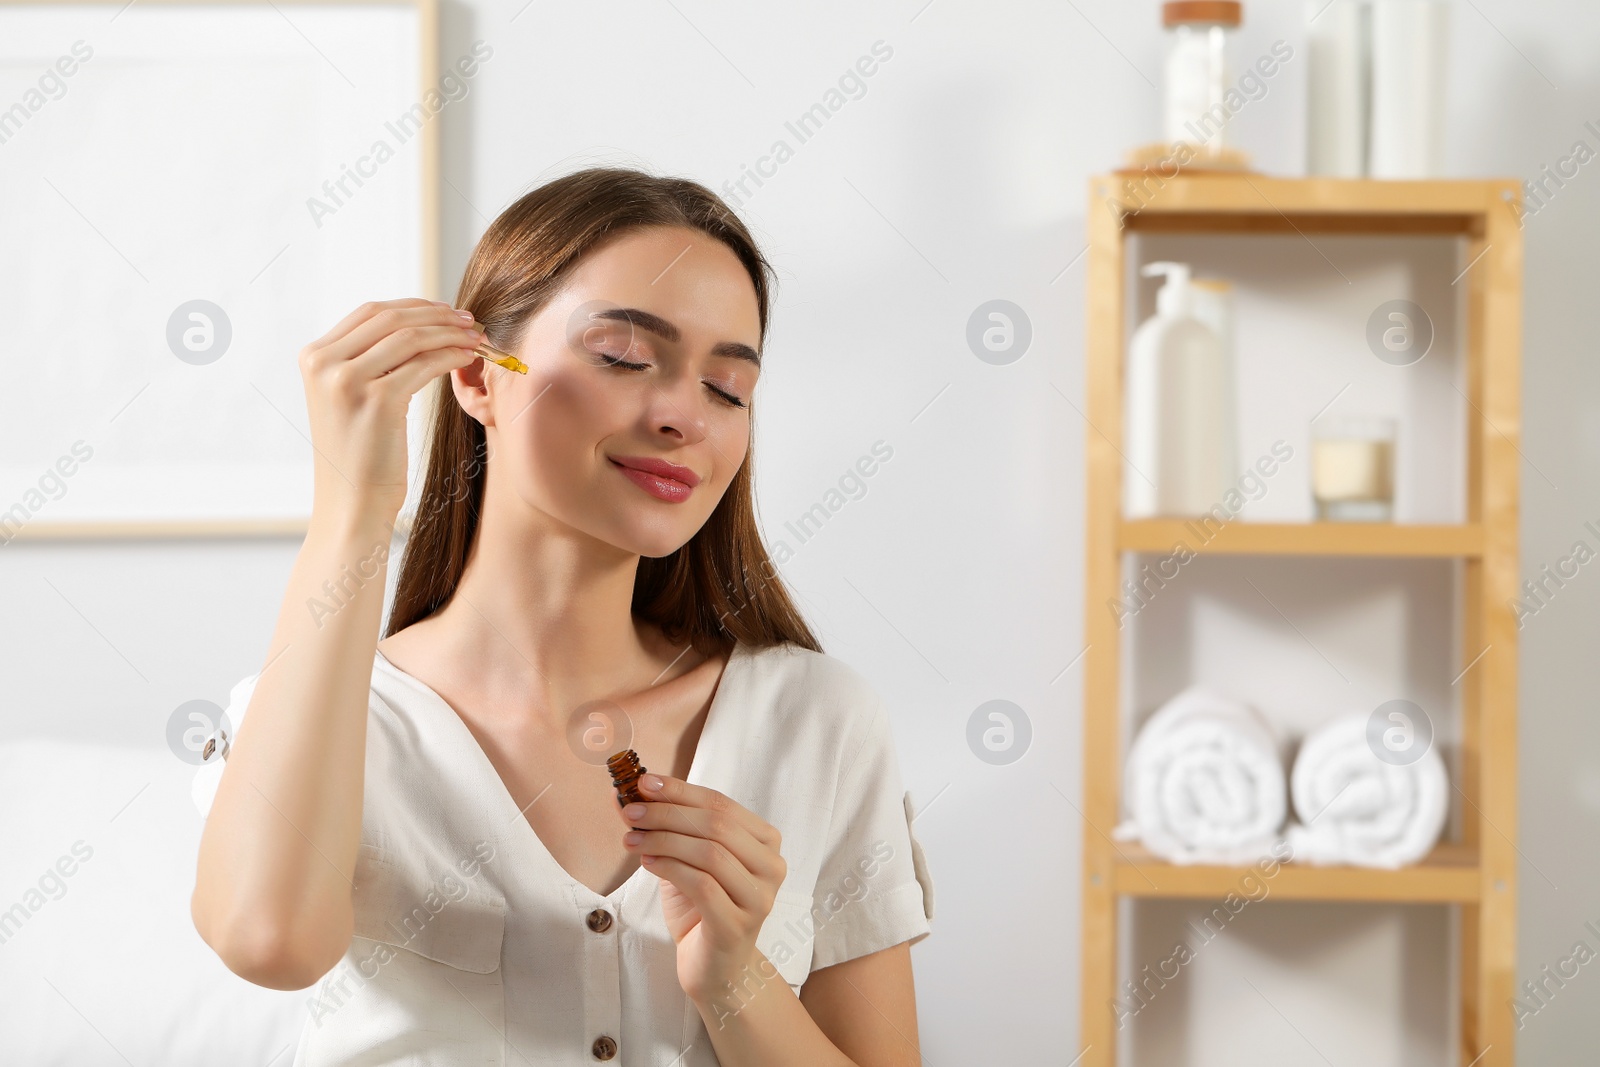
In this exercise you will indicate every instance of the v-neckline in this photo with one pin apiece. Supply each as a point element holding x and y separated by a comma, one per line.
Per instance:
<point>470,741</point>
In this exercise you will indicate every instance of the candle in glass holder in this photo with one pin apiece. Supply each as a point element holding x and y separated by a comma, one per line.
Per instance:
<point>1352,468</point>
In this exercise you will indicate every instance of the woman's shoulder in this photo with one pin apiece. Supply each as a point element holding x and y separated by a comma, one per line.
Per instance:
<point>806,690</point>
<point>806,674</point>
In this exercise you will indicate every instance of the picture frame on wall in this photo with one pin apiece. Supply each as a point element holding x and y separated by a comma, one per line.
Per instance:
<point>219,184</point>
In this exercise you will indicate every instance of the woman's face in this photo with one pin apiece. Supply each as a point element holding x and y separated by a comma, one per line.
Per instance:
<point>678,310</point>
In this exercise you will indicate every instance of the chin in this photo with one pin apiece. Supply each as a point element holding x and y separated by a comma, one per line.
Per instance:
<point>650,540</point>
<point>654,549</point>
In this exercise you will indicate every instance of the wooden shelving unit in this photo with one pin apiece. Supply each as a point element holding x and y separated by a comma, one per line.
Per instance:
<point>1479,873</point>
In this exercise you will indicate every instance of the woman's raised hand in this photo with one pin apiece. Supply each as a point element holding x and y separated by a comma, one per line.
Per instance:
<point>359,379</point>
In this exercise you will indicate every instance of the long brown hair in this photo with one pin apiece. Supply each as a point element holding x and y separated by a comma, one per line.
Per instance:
<point>721,585</point>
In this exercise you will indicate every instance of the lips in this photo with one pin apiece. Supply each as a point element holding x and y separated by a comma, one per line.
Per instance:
<point>660,468</point>
<point>671,482</point>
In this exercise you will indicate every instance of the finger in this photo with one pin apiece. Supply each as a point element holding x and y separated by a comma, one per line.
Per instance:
<point>409,342</point>
<point>365,312</point>
<point>712,857</point>
<point>703,890</point>
<point>384,324</point>
<point>389,338</point>
<point>424,367</point>
<point>686,794</point>
<point>757,856</point>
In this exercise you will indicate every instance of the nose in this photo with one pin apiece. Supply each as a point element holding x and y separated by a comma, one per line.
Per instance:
<point>672,409</point>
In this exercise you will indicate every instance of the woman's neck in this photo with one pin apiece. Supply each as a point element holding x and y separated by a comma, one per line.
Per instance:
<point>542,621</point>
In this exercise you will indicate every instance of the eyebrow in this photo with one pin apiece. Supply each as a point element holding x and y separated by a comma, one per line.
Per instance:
<point>662,328</point>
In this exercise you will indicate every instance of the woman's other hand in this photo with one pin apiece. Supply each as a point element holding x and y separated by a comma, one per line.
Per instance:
<point>720,871</point>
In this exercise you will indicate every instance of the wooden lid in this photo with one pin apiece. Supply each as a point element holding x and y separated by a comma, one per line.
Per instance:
<point>1178,12</point>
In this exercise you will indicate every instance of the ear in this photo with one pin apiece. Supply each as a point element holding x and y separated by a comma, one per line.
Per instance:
<point>470,384</point>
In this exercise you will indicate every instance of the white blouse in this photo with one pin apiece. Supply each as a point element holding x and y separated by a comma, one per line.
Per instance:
<point>473,946</point>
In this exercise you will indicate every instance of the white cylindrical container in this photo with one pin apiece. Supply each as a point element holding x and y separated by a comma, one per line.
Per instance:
<point>1338,38</point>
<point>1409,42</point>
<point>1196,71</point>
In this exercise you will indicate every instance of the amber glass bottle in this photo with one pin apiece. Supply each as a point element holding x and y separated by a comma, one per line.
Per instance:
<point>625,771</point>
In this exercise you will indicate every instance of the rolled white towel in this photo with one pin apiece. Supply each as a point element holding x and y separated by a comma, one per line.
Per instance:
<point>1204,782</point>
<point>1355,808</point>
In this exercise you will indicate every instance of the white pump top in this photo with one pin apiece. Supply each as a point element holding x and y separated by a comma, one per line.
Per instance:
<point>1174,299</point>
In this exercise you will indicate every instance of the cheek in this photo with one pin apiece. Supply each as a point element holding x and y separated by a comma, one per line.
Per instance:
<point>734,441</point>
<point>731,440</point>
<point>559,407</point>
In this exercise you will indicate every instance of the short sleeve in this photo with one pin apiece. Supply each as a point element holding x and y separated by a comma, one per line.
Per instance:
<point>873,888</point>
<point>215,751</point>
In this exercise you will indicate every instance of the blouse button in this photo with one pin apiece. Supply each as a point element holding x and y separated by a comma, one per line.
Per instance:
<point>599,921</point>
<point>603,1048</point>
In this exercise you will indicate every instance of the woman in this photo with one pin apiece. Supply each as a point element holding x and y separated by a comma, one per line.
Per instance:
<point>424,826</point>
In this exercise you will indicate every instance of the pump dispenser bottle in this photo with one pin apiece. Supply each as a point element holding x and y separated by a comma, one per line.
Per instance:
<point>1180,435</point>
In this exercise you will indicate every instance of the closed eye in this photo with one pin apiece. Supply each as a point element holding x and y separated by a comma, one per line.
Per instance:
<point>613,361</point>
<point>622,364</point>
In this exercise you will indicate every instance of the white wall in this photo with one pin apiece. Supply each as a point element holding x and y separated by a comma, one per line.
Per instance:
<point>958,177</point>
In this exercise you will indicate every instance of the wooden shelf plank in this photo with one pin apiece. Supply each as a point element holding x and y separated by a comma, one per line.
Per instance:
<point>1449,874</point>
<point>1303,538</point>
<point>1255,203</point>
